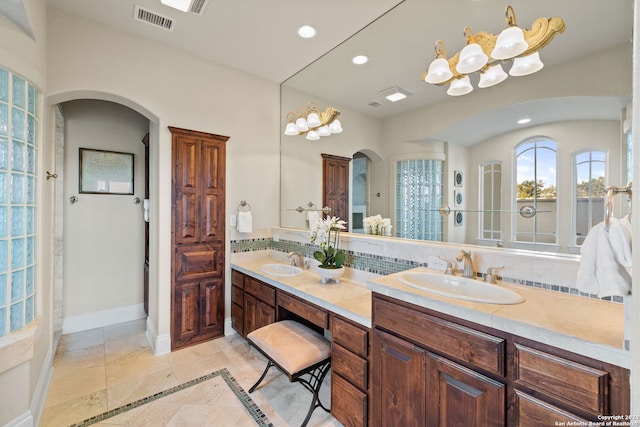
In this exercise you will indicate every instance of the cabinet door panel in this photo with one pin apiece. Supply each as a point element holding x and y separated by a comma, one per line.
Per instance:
<point>534,412</point>
<point>399,382</point>
<point>348,404</point>
<point>257,314</point>
<point>211,319</point>
<point>460,397</point>
<point>186,297</point>
<point>186,188</point>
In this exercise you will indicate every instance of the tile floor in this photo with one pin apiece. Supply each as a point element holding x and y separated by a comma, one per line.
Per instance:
<point>105,368</point>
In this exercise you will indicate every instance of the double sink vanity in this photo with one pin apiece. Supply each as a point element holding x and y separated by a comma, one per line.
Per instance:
<point>419,347</point>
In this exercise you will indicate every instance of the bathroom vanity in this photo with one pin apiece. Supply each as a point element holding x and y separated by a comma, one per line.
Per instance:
<point>401,356</point>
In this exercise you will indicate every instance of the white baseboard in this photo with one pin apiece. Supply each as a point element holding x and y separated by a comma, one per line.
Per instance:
<point>24,420</point>
<point>161,344</point>
<point>42,388</point>
<point>228,330</point>
<point>99,319</point>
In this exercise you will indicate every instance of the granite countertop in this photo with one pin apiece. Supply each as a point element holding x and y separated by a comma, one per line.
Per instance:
<point>586,326</point>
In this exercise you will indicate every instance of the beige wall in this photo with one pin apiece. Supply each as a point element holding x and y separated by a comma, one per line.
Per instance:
<point>179,90</point>
<point>103,233</point>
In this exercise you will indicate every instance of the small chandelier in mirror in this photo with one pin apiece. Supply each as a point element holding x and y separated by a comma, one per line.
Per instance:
<point>486,53</point>
<point>313,123</point>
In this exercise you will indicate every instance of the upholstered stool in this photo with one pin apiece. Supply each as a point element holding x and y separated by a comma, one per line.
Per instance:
<point>296,350</point>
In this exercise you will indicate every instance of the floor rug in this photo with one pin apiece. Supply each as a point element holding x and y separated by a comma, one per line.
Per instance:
<point>243,397</point>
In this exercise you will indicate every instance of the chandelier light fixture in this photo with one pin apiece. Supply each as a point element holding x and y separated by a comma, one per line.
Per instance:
<point>486,53</point>
<point>313,123</point>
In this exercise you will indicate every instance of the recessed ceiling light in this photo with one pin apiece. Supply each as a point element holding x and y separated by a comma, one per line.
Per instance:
<point>307,31</point>
<point>394,94</point>
<point>182,5</point>
<point>524,121</point>
<point>360,59</point>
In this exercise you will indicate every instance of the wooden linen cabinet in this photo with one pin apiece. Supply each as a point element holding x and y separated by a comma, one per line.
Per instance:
<point>197,234</point>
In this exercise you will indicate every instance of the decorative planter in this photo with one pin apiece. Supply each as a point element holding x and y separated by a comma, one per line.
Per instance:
<point>327,274</point>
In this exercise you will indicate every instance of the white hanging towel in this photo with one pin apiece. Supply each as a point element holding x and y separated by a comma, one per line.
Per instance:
<point>600,271</point>
<point>312,218</point>
<point>244,222</point>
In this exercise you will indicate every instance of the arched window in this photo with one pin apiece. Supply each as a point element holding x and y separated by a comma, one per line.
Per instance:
<point>418,199</point>
<point>589,172</point>
<point>18,154</point>
<point>490,200</point>
<point>536,183</point>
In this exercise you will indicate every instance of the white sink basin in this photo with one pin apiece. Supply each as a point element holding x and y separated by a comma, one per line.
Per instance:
<point>281,269</point>
<point>459,287</point>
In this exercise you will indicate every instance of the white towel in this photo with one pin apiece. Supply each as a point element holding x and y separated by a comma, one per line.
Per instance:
<point>244,222</point>
<point>600,271</point>
<point>620,238</point>
<point>312,218</point>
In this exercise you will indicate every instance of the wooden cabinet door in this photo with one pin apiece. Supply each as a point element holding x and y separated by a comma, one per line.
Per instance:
<point>399,382</point>
<point>335,185</point>
<point>197,233</point>
<point>257,313</point>
<point>460,397</point>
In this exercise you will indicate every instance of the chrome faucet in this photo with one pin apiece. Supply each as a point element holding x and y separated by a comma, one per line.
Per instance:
<point>297,259</point>
<point>467,269</point>
<point>450,269</point>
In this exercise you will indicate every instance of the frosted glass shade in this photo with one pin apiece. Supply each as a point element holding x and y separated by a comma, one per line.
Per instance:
<point>510,43</point>
<point>460,87</point>
<point>439,71</point>
<point>301,125</point>
<point>313,135</point>
<point>526,65</point>
<point>471,59</point>
<point>290,129</point>
<point>324,131</point>
<point>494,75</point>
<point>313,121</point>
<point>335,126</point>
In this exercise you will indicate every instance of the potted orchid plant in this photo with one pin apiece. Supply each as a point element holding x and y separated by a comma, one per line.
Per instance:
<point>327,232</point>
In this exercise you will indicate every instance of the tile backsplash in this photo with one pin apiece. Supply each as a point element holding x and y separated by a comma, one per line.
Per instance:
<point>384,255</point>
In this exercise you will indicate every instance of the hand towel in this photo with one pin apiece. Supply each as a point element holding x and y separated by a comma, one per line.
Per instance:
<point>244,222</point>
<point>586,280</point>
<point>312,218</point>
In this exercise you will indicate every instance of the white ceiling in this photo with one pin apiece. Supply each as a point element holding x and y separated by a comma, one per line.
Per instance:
<point>259,37</point>
<point>255,36</point>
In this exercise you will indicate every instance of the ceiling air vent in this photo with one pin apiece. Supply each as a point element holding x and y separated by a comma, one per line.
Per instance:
<point>374,104</point>
<point>197,6</point>
<point>153,18</point>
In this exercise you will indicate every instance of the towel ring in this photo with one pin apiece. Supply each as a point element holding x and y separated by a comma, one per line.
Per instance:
<point>244,206</point>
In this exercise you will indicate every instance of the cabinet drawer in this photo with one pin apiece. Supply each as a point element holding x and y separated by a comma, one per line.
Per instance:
<point>237,296</point>
<point>261,291</point>
<point>237,279</point>
<point>307,311</point>
<point>350,366</point>
<point>533,412</point>
<point>348,404</point>
<point>481,350</point>
<point>350,336</point>
<point>569,382</point>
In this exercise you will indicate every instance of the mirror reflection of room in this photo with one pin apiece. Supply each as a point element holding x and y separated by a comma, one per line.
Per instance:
<point>551,140</point>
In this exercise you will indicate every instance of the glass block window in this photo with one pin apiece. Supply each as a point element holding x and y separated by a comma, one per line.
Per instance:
<point>418,199</point>
<point>18,154</point>
<point>589,172</point>
<point>491,200</point>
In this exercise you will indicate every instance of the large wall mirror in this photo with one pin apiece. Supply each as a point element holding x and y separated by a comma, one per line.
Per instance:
<point>479,161</point>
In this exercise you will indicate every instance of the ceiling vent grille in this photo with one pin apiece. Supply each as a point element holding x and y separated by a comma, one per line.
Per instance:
<point>374,104</point>
<point>197,6</point>
<point>153,18</point>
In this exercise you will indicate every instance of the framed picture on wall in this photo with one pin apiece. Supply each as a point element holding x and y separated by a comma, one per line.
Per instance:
<point>105,172</point>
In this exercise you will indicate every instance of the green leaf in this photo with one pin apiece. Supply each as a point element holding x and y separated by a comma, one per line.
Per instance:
<point>320,256</point>
<point>339,258</point>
